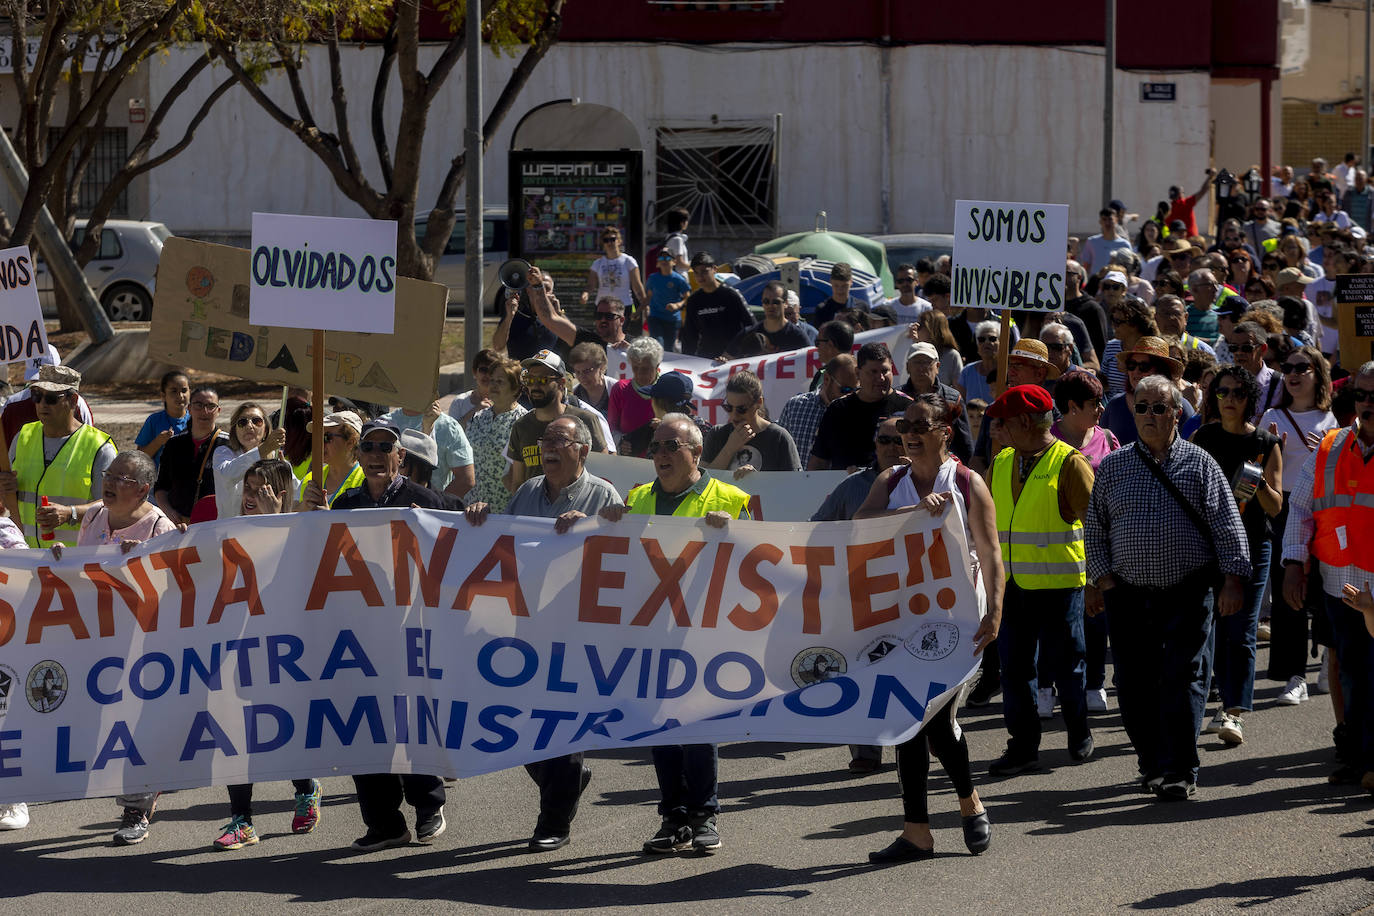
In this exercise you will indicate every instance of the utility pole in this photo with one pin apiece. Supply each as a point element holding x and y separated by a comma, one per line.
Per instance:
<point>66,273</point>
<point>1108,100</point>
<point>1364,150</point>
<point>472,285</point>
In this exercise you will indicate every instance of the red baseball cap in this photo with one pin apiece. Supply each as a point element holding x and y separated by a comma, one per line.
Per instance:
<point>1020,399</point>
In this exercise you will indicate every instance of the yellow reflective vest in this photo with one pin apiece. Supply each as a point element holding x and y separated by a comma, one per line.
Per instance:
<point>712,497</point>
<point>1039,548</point>
<point>354,479</point>
<point>66,481</point>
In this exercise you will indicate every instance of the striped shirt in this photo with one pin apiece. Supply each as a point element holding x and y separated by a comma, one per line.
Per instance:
<point>801,417</point>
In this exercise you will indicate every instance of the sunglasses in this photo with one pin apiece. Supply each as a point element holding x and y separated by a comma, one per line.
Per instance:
<point>50,398</point>
<point>1226,391</point>
<point>371,446</point>
<point>1056,347</point>
<point>670,446</point>
<point>538,381</point>
<point>906,279</point>
<point>740,409</point>
<point>1360,395</point>
<point>888,440</point>
<point>987,339</point>
<point>1112,287</point>
<point>1295,368</point>
<point>1158,408</point>
<point>919,427</point>
<point>1246,348</point>
<point>608,316</point>
<point>1133,365</point>
<point>250,421</point>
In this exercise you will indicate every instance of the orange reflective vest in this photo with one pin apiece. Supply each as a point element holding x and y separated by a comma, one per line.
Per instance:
<point>1343,503</point>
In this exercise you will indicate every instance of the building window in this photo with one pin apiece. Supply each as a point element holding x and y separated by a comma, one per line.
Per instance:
<point>109,156</point>
<point>725,176</point>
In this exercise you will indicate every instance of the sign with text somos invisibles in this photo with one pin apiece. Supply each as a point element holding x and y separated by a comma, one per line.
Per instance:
<point>323,273</point>
<point>22,335</point>
<point>1009,255</point>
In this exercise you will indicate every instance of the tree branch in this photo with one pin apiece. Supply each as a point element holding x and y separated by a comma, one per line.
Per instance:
<point>379,102</point>
<point>293,79</point>
<point>339,98</point>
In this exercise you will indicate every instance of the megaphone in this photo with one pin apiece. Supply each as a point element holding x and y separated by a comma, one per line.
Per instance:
<point>514,274</point>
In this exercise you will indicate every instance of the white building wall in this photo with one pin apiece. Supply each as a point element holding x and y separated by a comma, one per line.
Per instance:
<point>966,122</point>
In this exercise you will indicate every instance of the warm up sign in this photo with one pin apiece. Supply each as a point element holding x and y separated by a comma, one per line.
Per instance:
<point>1009,255</point>
<point>327,643</point>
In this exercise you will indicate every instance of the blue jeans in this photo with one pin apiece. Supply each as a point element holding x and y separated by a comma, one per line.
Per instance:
<point>687,780</point>
<point>1159,646</point>
<point>1233,638</point>
<point>664,330</point>
<point>1355,652</point>
<point>1095,640</point>
<point>1048,622</point>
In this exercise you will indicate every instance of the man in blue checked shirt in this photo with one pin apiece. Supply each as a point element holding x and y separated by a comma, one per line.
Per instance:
<point>1154,554</point>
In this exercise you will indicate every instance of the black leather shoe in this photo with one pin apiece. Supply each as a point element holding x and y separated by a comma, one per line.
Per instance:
<point>548,842</point>
<point>977,832</point>
<point>1011,763</point>
<point>901,850</point>
<point>1082,750</point>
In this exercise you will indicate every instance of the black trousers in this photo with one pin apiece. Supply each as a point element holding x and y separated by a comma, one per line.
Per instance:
<point>913,763</point>
<point>560,783</point>
<point>241,797</point>
<point>380,796</point>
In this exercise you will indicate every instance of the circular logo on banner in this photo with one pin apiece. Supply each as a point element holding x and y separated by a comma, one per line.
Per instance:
<point>9,688</point>
<point>933,641</point>
<point>46,686</point>
<point>878,649</point>
<point>811,666</point>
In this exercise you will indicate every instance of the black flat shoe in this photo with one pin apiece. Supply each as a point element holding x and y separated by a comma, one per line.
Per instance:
<point>977,832</point>
<point>548,842</point>
<point>901,850</point>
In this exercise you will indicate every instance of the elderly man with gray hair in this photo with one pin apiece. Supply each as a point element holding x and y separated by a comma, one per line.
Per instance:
<point>1161,528</point>
<point>564,492</point>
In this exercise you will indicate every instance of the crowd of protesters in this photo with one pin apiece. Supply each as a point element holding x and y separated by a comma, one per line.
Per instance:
<point>1175,468</point>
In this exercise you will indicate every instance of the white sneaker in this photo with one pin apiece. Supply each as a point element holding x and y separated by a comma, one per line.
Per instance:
<point>1294,693</point>
<point>1231,732</point>
<point>1324,674</point>
<point>1262,632</point>
<point>1097,700</point>
<point>1219,721</point>
<point>1044,702</point>
<point>14,817</point>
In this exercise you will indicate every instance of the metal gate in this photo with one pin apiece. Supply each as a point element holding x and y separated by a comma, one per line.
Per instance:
<point>725,175</point>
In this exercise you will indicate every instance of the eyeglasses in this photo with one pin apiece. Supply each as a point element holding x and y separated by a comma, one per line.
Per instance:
<point>556,441</point>
<point>538,381</point>
<point>250,421</point>
<point>888,440</point>
<point>1360,395</point>
<point>771,301</point>
<point>608,316</point>
<point>1226,391</point>
<point>1295,368</point>
<point>917,428</point>
<point>740,409</point>
<point>1112,287</point>
<point>1158,408</point>
<point>51,398</point>
<point>1246,348</point>
<point>368,445</point>
<point>121,479</point>
<point>988,338</point>
<point>1056,347</point>
<point>586,371</point>
<point>205,405</point>
<point>670,446</point>
<point>1143,365</point>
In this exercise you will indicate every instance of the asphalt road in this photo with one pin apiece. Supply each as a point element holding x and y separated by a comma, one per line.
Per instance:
<point>1265,833</point>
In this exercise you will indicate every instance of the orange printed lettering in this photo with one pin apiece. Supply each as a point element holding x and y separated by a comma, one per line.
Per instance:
<point>142,604</point>
<point>594,579</point>
<point>6,615</point>
<point>236,562</point>
<point>669,586</point>
<point>340,543</point>
<point>862,586</point>
<point>813,558</point>
<point>177,560</point>
<point>716,588</point>
<point>752,579</point>
<point>501,558</point>
<point>66,614</point>
<point>405,550</point>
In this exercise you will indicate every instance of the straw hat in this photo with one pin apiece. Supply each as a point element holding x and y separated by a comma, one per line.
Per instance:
<point>1033,351</point>
<point>1155,348</point>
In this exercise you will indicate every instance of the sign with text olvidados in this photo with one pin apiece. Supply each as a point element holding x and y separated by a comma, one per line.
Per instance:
<point>1009,255</point>
<point>775,496</point>
<point>201,321</point>
<point>323,273</point>
<point>782,375</point>
<point>327,643</point>
<point>23,338</point>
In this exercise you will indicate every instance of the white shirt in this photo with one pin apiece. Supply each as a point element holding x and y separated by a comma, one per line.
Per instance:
<point>614,278</point>
<point>1295,450</point>
<point>908,312</point>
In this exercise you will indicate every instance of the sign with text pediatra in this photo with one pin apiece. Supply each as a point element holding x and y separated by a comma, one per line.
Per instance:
<point>323,273</point>
<point>201,321</point>
<point>22,335</point>
<point>1009,255</point>
<point>1354,295</point>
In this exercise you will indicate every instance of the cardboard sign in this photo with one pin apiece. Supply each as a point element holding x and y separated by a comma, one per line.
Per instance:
<point>201,321</point>
<point>22,335</point>
<point>323,273</point>
<point>1009,255</point>
<point>1354,294</point>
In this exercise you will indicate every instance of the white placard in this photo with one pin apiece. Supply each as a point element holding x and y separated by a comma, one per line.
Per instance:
<point>323,273</point>
<point>22,335</point>
<point>1009,255</point>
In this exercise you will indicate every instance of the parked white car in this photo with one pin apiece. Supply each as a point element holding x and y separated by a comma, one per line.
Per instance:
<point>452,267</point>
<point>122,273</point>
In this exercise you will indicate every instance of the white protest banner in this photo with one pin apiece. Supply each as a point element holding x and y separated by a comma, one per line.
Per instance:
<point>1009,255</point>
<point>22,334</point>
<point>775,496</point>
<point>323,273</point>
<point>781,374</point>
<point>326,643</point>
